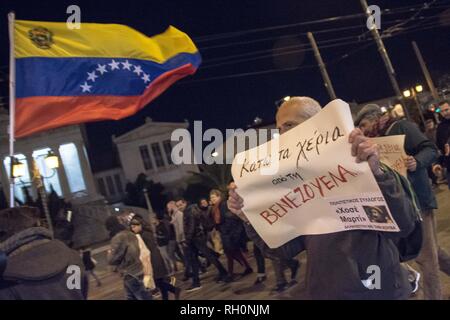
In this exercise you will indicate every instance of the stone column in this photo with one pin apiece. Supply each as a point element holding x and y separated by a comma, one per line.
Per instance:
<point>5,179</point>
<point>86,169</point>
<point>62,176</point>
<point>29,159</point>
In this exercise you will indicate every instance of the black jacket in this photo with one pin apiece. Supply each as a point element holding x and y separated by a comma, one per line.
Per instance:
<point>192,224</point>
<point>38,268</point>
<point>159,268</point>
<point>231,229</point>
<point>425,153</point>
<point>125,253</point>
<point>443,137</point>
<point>163,233</point>
<point>338,262</point>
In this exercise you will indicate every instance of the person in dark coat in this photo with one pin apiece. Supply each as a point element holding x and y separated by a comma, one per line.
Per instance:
<point>163,229</point>
<point>37,267</point>
<point>89,264</point>
<point>125,254</point>
<point>195,244</point>
<point>443,139</point>
<point>422,153</point>
<point>337,263</point>
<point>231,229</point>
<point>139,226</point>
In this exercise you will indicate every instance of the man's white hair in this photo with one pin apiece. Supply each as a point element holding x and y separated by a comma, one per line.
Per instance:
<point>309,106</point>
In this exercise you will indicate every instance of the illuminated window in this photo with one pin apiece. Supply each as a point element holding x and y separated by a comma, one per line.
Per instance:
<point>19,183</point>
<point>71,163</point>
<point>50,175</point>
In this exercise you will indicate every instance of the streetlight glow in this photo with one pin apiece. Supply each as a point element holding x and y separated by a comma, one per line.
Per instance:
<point>419,88</point>
<point>407,93</point>
<point>18,168</point>
<point>51,160</point>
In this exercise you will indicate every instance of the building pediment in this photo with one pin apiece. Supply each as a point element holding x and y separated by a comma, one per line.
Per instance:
<point>150,129</point>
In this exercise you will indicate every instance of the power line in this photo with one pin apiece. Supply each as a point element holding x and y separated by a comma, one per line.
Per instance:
<point>305,47</point>
<point>244,74</point>
<point>289,36</point>
<point>281,54</point>
<point>225,35</point>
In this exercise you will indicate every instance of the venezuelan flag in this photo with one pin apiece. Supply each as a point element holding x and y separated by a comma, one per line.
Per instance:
<point>98,72</point>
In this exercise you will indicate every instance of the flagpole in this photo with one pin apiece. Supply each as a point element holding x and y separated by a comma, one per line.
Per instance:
<point>12,104</point>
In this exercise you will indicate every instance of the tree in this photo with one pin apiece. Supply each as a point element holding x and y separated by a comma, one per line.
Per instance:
<point>215,176</point>
<point>135,193</point>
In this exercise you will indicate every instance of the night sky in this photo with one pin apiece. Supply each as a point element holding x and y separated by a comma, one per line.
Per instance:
<point>232,102</point>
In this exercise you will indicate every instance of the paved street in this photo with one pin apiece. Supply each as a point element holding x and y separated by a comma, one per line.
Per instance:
<point>243,289</point>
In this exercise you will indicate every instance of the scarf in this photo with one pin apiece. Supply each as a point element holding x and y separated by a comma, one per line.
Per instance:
<point>144,256</point>
<point>216,213</point>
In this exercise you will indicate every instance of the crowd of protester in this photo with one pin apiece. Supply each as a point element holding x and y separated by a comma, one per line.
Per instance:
<point>213,234</point>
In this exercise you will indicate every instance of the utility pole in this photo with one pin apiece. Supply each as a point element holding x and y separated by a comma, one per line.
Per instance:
<point>323,69</point>
<point>39,182</point>
<point>151,213</point>
<point>385,57</point>
<point>425,71</point>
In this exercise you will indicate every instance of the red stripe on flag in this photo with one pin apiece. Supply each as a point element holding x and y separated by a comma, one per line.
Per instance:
<point>35,114</point>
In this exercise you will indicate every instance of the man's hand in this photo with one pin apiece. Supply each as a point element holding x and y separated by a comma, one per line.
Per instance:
<point>184,244</point>
<point>365,150</point>
<point>236,203</point>
<point>411,163</point>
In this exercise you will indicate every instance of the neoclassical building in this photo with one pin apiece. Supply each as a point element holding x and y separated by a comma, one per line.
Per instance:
<point>147,149</point>
<point>72,179</point>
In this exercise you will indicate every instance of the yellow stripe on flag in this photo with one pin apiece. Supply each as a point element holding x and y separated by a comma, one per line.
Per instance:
<point>55,40</point>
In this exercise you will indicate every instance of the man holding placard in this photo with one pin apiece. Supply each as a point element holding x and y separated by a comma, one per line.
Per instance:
<point>315,206</point>
<point>421,154</point>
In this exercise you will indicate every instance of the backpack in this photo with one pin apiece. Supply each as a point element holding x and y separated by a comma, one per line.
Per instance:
<point>409,247</point>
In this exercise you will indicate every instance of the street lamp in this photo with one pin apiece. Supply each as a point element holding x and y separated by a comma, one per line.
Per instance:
<point>18,168</point>
<point>149,204</point>
<point>412,92</point>
<point>52,161</point>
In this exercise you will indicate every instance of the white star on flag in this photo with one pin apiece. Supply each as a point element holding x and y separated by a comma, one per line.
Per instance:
<point>146,78</point>
<point>127,65</point>
<point>92,76</point>
<point>86,87</point>
<point>138,70</point>
<point>101,68</point>
<point>114,65</point>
